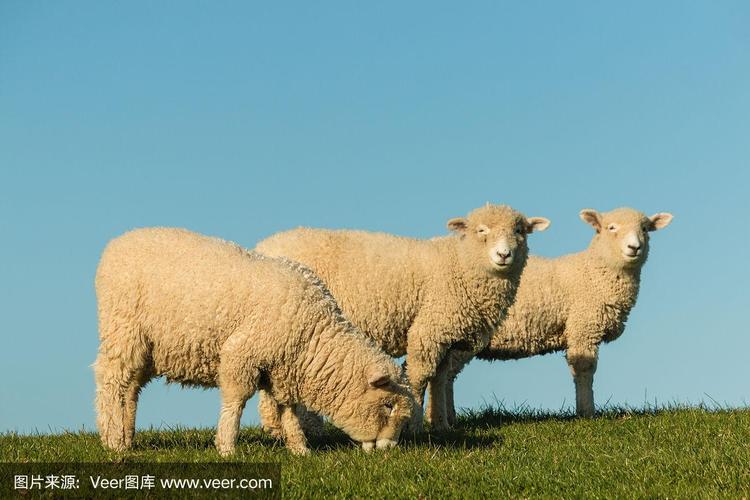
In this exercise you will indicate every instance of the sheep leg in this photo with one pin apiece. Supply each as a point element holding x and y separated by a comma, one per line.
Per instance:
<point>450,408</point>
<point>436,404</point>
<point>122,361</point>
<point>430,410</point>
<point>457,359</point>
<point>583,366</point>
<point>450,411</point>
<point>113,376</point>
<point>423,358</point>
<point>131,403</point>
<point>270,415</point>
<point>294,436</point>
<point>457,364</point>
<point>239,375</point>
<point>233,398</point>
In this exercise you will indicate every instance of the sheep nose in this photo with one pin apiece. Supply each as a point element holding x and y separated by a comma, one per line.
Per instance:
<point>635,247</point>
<point>504,255</point>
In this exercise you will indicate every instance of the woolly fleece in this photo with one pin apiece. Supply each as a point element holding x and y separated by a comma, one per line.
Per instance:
<point>576,302</point>
<point>203,311</point>
<point>421,298</point>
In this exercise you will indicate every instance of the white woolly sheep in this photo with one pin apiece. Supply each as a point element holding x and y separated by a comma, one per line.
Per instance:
<point>574,302</point>
<point>421,298</point>
<point>205,312</point>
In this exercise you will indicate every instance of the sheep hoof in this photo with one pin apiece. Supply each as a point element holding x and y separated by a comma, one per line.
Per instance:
<point>117,445</point>
<point>274,432</point>
<point>441,427</point>
<point>299,451</point>
<point>384,444</point>
<point>225,450</point>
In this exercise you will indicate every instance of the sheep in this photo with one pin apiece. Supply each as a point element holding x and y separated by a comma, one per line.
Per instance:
<point>421,298</point>
<point>205,312</point>
<point>574,302</point>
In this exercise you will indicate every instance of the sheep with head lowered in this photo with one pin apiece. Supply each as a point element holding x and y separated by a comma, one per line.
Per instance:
<point>421,298</point>
<point>205,312</point>
<point>575,302</point>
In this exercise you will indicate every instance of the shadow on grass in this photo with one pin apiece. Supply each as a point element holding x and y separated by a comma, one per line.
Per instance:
<point>455,438</point>
<point>194,439</point>
<point>498,415</point>
<point>335,440</point>
<point>470,431</point>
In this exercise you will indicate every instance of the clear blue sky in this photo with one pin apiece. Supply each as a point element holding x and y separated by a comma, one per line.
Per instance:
<point>240,119</point>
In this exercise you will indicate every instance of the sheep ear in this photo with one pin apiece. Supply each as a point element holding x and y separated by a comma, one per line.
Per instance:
<point>660,221</point>
<point>459,225</point>
<point>379,379</point>
<point>536,224</point>
<point>592,217</point>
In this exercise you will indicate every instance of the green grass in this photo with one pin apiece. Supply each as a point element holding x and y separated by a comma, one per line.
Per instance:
<point>668,452</point>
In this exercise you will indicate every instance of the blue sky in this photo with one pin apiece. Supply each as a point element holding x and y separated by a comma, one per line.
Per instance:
<point>240,119</point>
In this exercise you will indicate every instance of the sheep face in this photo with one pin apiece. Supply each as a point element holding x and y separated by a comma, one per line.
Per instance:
<point>376,417</point>
<point>495,235</point>
<point>622,235</point>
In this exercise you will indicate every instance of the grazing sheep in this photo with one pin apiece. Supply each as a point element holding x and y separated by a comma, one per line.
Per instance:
<point>421,298</point>
<point>205,312</point>
<point>575,302</point>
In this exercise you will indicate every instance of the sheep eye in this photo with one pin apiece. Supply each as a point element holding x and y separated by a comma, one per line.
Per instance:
<point>519,230</point>
<point>612,228</point>
<point>389,406</point>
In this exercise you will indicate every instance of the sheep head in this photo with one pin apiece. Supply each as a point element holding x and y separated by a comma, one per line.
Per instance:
<point>496,237</point>
<point>622,235</point>
<point>376,416</point>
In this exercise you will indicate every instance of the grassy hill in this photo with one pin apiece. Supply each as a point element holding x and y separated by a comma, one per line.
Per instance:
<point>672,452</point>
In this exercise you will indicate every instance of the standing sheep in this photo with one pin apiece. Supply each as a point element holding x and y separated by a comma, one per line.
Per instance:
<point>205,312</point>
<point>574,302</point>
<point>422,298</point>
